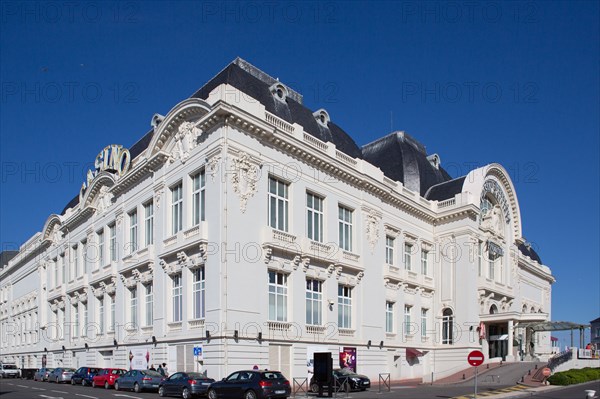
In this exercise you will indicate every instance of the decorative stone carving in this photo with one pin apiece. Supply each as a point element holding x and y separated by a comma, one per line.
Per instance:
<point>330,270</point>
<point>493,221</point>
<point>359,277</point>
<point>212,167</point>
<point>104,200</point>
<point>98,292</point>
<point>157,197</point>
<point>147,276</point>
<point>372,229</point>
<point>56,234</point>
<point>244,178</point>
<point>185,141</point>
<point>170,268</point>
<point>338,272</point>
<point>131,281</point>
<point>305,264</point>
<point>268,254</point>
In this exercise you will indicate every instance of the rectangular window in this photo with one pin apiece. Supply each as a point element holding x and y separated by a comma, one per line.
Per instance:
<point>423,322</point>
<point>75,261</point>
<point>389,250</point>
<point>133,231</point>
<point>314,217</point>
<point>480,259</point>
<point>56,267</point>
<point>133,303</point>
<point>84,256</point>
<point>198,198</point>
<point>100,240</point>
<point>177,298</point>
<point>344,306</point>
<point>407,326</point>
<point>64,267</point>
<point>389,317</point>
<point>424,262</point>
<point>113,242</point>
<point>345,228</point>
<point>149,305</point>
<point>277,296</point>
<point>85,319</point>
<point>149,223</point>
<point>176,208</point>
<point>101,315</point>
<point>278,204</point>
<point>407,256</point>
<point>314,302</point>
<point>75,321</point>
<point>491,271</point>
<point>198,292</point>
<point>113,316</point>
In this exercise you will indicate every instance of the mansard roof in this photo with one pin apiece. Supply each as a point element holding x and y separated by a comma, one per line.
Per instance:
<point>6,256</point>
<point>527,250</point>
<point>404,159</point>
<point>445,190</point>
<point>257,84</point>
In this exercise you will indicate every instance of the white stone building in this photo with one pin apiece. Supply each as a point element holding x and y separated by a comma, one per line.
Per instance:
<point>247,225</point>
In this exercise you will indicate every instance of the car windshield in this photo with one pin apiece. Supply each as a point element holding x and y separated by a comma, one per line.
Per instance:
<point>70,370</point>
<point>345,372</point>
<point>10,366</point>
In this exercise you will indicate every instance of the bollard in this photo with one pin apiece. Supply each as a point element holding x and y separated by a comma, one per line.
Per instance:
<point>488,366</point>
<point>464,377</point>
<point>536,366</point>
<point>523,379</point>
<point>528,372</point>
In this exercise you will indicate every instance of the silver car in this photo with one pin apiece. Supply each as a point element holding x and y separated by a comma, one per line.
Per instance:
<point>61,374</point>
<point>42,374</point>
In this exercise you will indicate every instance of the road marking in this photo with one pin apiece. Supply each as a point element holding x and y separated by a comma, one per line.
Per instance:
<point>38,389</point>
<point>60,391</point>
<point>51,397</point>
<point>86,396</point>
<point>126,396</point>
<point>23,386</point>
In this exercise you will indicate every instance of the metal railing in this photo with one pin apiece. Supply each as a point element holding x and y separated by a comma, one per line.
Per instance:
<point>560,359</point>
<point>384,382</point>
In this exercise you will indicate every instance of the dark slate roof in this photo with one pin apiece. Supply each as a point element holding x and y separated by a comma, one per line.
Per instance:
<point>256,84</point>
<point>402,158</point>
<point>6,256</point>
<point>446,190</point>
<point>595,321</point>
<point>141,145</point>
<point>527,250</point>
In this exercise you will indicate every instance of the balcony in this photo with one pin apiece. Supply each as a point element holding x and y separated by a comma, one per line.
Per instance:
<point>196,323</point>
<point>315,330</point>
<point>278,325</point>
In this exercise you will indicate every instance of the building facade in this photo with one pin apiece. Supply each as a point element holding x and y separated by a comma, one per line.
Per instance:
<point>245,229</point>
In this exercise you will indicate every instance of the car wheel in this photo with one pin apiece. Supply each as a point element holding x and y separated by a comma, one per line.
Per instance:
<point>185,394</point>
<point>212,394</point>
<point>314,387</point>
<point>106,386</point>
<point>161,391</point>
<point>83,382</point>
<point>56,380</point>
<point>136,388</point>
<point>116,386</point>
<point>93,384</point>
<point>250,395</point>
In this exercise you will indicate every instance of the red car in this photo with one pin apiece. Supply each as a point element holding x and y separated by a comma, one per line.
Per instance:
<point>107,377</point>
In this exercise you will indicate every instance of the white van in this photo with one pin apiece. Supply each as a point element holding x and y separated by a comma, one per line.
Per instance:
<point>9,370</point>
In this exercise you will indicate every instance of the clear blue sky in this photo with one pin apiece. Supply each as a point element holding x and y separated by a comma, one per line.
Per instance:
<point>509,82</point>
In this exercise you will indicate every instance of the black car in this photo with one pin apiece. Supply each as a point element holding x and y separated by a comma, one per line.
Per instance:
<point>343,380</point>
<point>185,385</point>
<point>251,384</point>
<point>84,375</point>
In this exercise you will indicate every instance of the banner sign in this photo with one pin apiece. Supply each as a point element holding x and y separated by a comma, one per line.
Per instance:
<point>348,358</point>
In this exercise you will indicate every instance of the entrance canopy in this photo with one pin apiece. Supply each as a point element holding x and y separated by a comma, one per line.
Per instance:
<point>553,326</point>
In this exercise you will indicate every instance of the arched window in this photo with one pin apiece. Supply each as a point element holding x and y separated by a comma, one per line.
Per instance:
<point>447,327</point>
<point>524,308</point>
<point>493,309</point>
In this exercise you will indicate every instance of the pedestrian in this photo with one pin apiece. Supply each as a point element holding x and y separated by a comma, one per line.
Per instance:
<point>161,370</point>
<point>152,367</point>
<point>166,369</point>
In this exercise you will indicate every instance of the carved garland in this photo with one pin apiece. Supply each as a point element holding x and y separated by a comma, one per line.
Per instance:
<point>244,178</point>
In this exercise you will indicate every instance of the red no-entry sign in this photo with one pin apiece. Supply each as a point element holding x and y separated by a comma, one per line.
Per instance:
<point>475,358</point>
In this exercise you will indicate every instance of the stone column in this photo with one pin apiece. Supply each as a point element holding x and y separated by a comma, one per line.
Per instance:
<point>510,357</point>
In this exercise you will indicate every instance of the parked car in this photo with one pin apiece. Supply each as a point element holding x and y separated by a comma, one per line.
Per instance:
<point>42,374</point>
<point>106,377</point>
<point>61,374</point>
<point>139,380</point>
<point>185,384</point>
<point>84,375</point>
<point>9,371</point>
<point>344,379</point>
<point>251,384</point>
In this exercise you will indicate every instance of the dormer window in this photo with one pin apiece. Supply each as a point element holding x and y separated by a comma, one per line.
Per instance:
<point>279,91</point>
<point>434,160</point>
<point>322,117</point>
<point>156,120</point>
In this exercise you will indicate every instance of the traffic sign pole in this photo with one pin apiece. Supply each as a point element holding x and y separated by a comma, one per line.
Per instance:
<point>476,368</point>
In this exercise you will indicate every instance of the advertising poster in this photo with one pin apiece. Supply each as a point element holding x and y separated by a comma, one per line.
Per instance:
<point>139,358</point>
<point>348,358</point>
